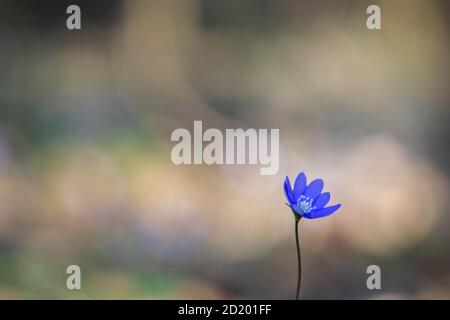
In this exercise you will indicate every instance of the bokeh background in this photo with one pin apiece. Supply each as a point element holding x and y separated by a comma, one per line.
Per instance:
<point>85,170</point>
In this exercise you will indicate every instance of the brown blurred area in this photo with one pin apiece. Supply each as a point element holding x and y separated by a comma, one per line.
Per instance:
<point>85,170</point>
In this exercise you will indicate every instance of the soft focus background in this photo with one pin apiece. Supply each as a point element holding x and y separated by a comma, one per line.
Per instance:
<point>85,170</point>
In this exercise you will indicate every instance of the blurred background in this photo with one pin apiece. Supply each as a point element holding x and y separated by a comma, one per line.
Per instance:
<point>86,176</point>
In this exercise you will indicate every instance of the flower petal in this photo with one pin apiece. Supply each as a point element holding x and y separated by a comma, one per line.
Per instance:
<point>320,213</point>
<point>299,186</point>
<point>296,208</point>
<point>288,191</point>
<point>322,200</point>
<point>313,189</point>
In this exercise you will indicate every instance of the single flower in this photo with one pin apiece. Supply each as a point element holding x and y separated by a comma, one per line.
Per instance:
<point>308,201</point>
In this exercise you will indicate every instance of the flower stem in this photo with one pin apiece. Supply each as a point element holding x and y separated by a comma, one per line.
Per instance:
<point>299,258</point>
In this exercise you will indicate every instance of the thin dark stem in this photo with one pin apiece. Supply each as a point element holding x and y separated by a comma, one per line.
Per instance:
<point>299,258</point>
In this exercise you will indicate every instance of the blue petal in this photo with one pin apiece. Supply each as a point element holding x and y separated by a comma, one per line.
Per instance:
<point>320,213</point>
<point>297,209</point>
<point>299,186</point>
<point>322,200</point>
<point>314,189</point>
<point>288,191</point>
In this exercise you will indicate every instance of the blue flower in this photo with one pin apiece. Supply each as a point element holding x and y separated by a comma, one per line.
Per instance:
<point>308,200</point>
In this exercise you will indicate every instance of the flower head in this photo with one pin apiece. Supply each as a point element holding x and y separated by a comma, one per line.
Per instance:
<point>308,201</point>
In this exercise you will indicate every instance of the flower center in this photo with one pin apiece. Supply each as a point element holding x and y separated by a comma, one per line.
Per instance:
<point>305,204</point>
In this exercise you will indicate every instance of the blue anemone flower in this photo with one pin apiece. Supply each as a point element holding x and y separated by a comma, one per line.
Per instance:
<point>308,200</point>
